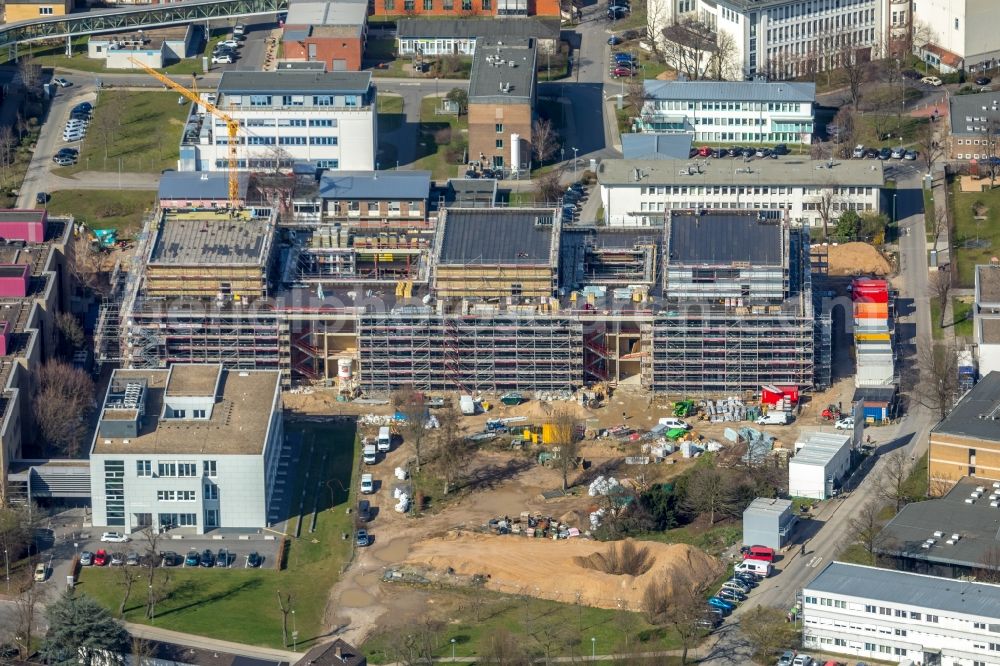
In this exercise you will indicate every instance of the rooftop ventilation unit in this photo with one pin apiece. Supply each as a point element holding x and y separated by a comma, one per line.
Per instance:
<point>939,534</point>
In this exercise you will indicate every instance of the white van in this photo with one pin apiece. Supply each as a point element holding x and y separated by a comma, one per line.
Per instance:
<point>775,418</point>
<point>384,439</point>
<point>367,484</point>
<point>671,422</point>
<point>369,454</point>
<point>759,568</point>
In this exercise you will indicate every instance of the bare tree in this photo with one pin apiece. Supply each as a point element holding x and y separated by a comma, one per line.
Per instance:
<point>865,527</point>
<point>689,47</point>
<point>107,122</point>
<point>683,617</point>
<point>25,608</point>
<point>548,188</point>
<point>766,629</point>
<point>285,606</point>
<point>415,645</point>
<point>564,426</point>
<point>452,454</point>
<point>826,206</point>
<point>921,34</point>
<point>656,18</point>
<point>892,479</point>
<point>151,560</point>
<point>61,398</point>
<point>410,403</point>
<point>127,577</point>
<point>940,290</point>
<point>544,140</point>
<point>939,224</point>
<point>31,75</point>
<point>505,649</point>
<point>709,491</point>
<point>143,651</point>
<point>988,567</point>
<point>7,144</point>
<point>927,144</point>
<point>937,386</point>
<point>856,65</point>
<point>70,330</point>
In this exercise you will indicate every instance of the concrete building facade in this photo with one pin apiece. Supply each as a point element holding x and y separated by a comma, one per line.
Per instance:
<point>466,8</point>
<point>333,33</point>
<point>192,446</point>
<point>768,522</point>
<point>960,34</point>
<point>434,37</point>
<point>155,48</point>
<point>967,441</point>
<point>975,127</point>
<point>23,10</point>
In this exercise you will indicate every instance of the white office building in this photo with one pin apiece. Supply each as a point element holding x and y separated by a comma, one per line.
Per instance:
<point>639,193</point>
<point>326,118</point>
<point>193,447</point>
<point>787,38</point>
<point>892,616</point>
<point>956,34</point>
<point>730,112</point>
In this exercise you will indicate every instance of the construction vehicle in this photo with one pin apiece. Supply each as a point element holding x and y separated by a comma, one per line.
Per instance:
<point>831,413</point>
<point>684,408</point>
<point>232,125</point>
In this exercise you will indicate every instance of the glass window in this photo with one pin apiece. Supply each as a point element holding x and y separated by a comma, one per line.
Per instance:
<point>209,467</point>
<point>389,5</point>
<point>260,100</point>
<point>323,100</point>
<point>350,100</point>
<point>466,5</point>
<point>211,491</point>
<point>144,468</point>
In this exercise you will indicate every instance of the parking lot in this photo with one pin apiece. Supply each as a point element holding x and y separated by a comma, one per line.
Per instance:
<point>239,545</point>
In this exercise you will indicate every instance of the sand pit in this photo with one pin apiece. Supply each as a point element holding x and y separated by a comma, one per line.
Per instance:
<point>856,259</point>
<point>550,569</point>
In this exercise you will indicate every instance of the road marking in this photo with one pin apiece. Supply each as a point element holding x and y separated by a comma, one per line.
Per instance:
<point>414,83</point>
<point>814,562</point>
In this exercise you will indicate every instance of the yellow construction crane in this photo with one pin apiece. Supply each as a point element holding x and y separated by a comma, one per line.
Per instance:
<point>232,125</point>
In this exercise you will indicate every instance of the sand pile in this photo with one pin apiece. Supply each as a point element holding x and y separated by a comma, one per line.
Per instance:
<point>552,569</point>
<point>856,259</point>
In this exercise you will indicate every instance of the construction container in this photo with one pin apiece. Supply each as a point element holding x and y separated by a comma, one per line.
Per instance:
<point>871,310</point>
<point>871,337</point>
<point>865,289</point>
<point>876,412</point>
<point>875,374</point>
<point>553,433</point>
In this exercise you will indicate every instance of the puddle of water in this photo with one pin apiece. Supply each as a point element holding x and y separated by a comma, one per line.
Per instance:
<point>395,551</point>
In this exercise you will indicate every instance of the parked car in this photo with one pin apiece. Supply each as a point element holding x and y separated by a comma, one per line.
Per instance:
<point>846,423</point>
<point>362,538</point>
<point>170,559</point>
<point>738,586</point>
<point>726,606</point>
<point>63,83</point>
<point>42,198</point>
<point>254,560</point>
<point>617,13</point>
<point>41,572</point>
<point>239,30</point>
<point>364,510</point>
<point>931,81</point>
<point>117,560</point>
<point>911,155</point>
<point>207,558</point>
<point>222,558</point>
<point>780,149</point>
<point>729,594</point>
<point>114,537</point>
<point>86,558</point>
<point>802,660</point>
<point>911,74</point>
<point>858,152</point>
<point>615,40</point>
<point>983,80</point>
<point>232,43</point>
<point>623,57</point>
<point>100,558</point>
<point>898,152</point>
<point>63,160</point>
<point>192,559</point>
<point>884,154</point>
<point>871,154</point>
<point>775,417</point>
<point>746,578</point>
<point>222,59</point>
<point>74,136</point>
<point>786,658</point>
<point>84,106</point>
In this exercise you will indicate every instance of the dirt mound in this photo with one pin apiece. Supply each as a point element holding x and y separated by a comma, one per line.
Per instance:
<point>551,569</point>
<point>856,259</point>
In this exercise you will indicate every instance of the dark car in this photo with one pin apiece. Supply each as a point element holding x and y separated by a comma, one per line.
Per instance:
<point>983,81</point>
<point>42,198</point>
<point>693,152</point>
<point>254,560</point>
<point>911,74</point>
<point>616,13</point>
<point>615,40</point>
<point>780,149</point>
<point>192,559</point>
<point>622,57</point>
<point>364,510</point>
<point>362,538</point>
<point>170,559</point>
<point>222,559</point>
<point>884,154</point>
<point>872,153</point>
<point>85,107</point>
<point>207,558</point>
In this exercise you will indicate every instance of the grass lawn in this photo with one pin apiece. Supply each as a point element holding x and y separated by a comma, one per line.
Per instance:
<point>650,66</point>
<point>962,311</point>
<point>438,136</point>
<point>855,554</point>
<point>936,331</point>
<point>975,241</point>
<point>145,139</point>
<point>205,601</point>
<point>928,212</point>
<point>712,540</point>
<point>565,629</point>
<point>390,112</point>
<point>104,209</point>
<point>520,198</point>
<point>904,129</point>
<point>916,483</point>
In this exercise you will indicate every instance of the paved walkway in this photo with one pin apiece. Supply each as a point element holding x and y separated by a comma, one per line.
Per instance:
<point>103,180</point>
<point>200,642</point>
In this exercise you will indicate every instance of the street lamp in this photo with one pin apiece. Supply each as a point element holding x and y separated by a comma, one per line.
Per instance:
<point>6,565</point>
<point>563,152</point>
<point>575,150</point>
<point>152,606</point>
<point>295,633</point>
<point>894,207</point>
<point>593,648</point>
<point>453,649</point>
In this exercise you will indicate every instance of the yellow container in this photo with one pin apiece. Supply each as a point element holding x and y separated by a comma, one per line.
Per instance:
<point>871,337</point>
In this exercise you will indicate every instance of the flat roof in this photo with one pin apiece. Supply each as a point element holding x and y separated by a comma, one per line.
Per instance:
<point>641,146</point>
<point>819,448</point>
<point>200,185</point>
<point>494,80</point>
<point>989,330</point>
<point>375,184</point>
<point>987,284</point>
<point>493,27</point>
<point>978,525</point>
<point>22,215</point>
<point>238,426</point>
<point>724,239</point>
<point>768,506</point>
<point>189,379</point>
<point>977,414</point>
<point>972,114</point>
<point>293,82</point>
<point>156,36</point>
<point>210,242</point>
<point>734,91</point>
<point>497,236</point>
<point>787,170</point>
<point>339,13</point>
<point>911,589</point>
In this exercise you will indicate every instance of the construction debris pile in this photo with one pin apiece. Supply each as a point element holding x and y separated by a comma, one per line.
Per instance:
<point>759,444</point>
<point>730,409</point>
<point>533,526</point>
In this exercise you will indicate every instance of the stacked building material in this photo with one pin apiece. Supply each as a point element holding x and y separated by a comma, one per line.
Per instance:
<point>872,333</point>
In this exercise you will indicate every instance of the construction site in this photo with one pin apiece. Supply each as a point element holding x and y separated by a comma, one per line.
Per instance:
<point>473,299</point>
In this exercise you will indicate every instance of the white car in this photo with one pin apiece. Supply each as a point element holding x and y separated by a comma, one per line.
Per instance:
<point>114,537</point>
<point>75,136</point>
<point>858,152</point>
<point>62,83</point>
<point>231,43</point>
<point>671,422</point>
<point>931,80</point>
<point>367,484</point>
<point>845,424</point>
<point>224,59</point>
<point>802,660</point>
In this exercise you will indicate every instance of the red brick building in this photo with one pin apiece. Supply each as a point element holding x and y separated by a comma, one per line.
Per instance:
<point>327,32</point>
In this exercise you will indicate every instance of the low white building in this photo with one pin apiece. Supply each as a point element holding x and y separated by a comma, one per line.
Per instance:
<point>893,616</point>
<point>730,112</point>
<point>192,446</point>
<point>155,48</point>
<point>326,118</point>
<point>640,192</point>
<point>820,462</point>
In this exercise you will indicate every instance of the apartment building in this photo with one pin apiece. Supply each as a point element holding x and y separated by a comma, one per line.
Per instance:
<point>328,119</point>
<point>191,446</point>
<point>956,34</point>
<point>502,104</point>
<point>893,616</point>
<point>975,126</point>
<point>375,198</point>
<point>333,33</point>
<point>784,39</point>
<point>466,8</point>
<point>730,112</point>
<point>967,441</point>
<point>642,193</point>
<point>442,36</point>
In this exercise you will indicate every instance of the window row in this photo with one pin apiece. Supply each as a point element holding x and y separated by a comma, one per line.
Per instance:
<point>173,468</point>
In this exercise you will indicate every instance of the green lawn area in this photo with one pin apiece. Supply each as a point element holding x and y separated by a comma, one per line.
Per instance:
<point>442,141</point>
<point>962,311</point>
<point>104,209</point>
<point>855,554</point>
<point>565,628</point>
<point>916,482</point>
<point>206,601</point>
<point>520,198</point>
<point>928,212</point>
<point>975,241</point>
<point>713,540</point>
<point>145,137</point>
<point>649,66</point>
<point>905,127</point>
<point>390,112</point>
<point>937,332</point>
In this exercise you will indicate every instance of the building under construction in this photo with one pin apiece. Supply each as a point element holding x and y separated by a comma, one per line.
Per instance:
<point>485,299</point>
